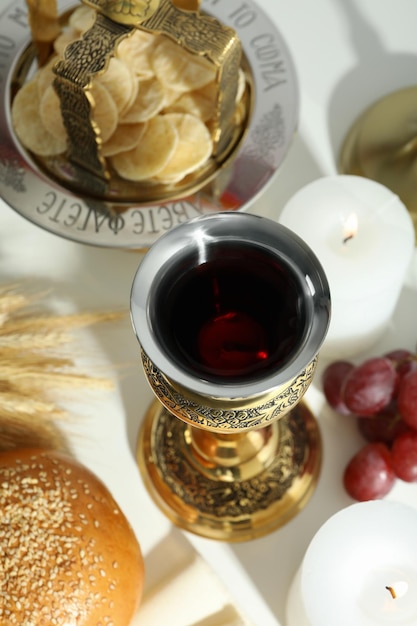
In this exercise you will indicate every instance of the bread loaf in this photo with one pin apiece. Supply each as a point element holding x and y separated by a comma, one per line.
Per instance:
<point>68,556</point>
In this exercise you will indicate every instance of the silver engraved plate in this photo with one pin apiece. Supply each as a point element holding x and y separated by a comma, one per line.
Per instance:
<point>116,221</point>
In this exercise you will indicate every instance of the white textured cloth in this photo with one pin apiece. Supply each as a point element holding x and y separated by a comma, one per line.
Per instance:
<point>182,590</point>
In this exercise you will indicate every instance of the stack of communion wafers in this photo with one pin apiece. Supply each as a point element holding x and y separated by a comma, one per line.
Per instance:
<point>154,106</point>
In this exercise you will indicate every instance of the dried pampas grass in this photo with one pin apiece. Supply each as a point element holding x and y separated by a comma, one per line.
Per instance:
<point>32,370</point>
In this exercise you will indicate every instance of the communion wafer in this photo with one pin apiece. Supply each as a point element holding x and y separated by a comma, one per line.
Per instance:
<point>193,148</point>
<point>171,95</point>
<point>28,124</point>
<point>201,102</point>
<point>45,76</point>
<point>156,147</point>
<point>136,51</point>
<point>179,69</point>
<point>149,101</point>
<point>120,83</point>
<point>125,138</point>
<point>82,18</point>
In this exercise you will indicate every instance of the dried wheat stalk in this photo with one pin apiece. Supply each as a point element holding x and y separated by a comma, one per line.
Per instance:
<point>31,370</point>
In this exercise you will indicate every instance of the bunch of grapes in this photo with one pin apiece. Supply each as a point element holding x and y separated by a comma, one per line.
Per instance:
<point>381,394</point>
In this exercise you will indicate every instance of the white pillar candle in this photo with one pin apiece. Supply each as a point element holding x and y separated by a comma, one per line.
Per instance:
<point>360,569</point>
<point>364,237</point>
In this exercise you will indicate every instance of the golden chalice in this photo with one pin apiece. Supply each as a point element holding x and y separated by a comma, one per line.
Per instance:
<point>230,311</point>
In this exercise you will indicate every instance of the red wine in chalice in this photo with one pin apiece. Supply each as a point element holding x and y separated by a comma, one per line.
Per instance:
<point>234,314</point>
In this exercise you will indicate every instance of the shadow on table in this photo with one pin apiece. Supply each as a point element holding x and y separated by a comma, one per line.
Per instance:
<point>298,169</point>
<point>377,73</point>
<point>110,273</point>
<point>272,561</point>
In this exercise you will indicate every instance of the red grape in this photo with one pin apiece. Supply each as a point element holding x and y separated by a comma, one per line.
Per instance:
<point>332,379</point>
<point>407,399</point>
<point>404,456</point>
<point>369,474</point>
<point>398,356</point>
<point>370,386</point>
<point>403,361</point>
<point>381,394</point>
<point>385,426</point>
<point>409,365</point>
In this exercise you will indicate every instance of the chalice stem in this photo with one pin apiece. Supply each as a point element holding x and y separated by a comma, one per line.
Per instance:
<point>234,456</point>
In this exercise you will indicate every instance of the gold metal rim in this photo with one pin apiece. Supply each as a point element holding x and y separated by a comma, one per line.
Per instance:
<point>382,145</point>
<point>229,511</point>
<point>223,414</point>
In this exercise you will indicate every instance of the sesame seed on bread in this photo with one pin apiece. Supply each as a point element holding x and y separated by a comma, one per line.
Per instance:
<point>68,555</point>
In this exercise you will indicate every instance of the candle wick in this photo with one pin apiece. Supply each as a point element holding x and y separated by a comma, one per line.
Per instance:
<point>347,238</point>
<point>392,592</point>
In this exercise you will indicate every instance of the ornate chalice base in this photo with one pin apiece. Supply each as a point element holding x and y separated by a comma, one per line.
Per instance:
<point>246,493</point>
<point>382,146</point>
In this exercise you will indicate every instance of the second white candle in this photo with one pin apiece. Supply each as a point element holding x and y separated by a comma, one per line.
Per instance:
<point>364,237</point>
<point>360,569</point>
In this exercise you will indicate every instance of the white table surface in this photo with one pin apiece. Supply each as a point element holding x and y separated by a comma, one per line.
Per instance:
<point>347,53</point>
